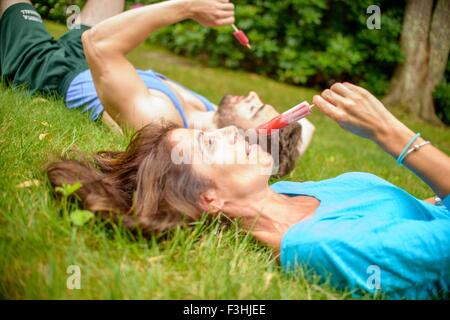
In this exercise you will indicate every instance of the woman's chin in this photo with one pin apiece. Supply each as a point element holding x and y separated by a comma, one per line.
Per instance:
<point>263,160</point>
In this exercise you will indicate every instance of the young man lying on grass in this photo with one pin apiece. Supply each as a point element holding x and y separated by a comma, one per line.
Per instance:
<point>123,96</point>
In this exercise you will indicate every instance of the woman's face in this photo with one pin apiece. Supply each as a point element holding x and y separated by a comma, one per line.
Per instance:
<point>224,156</point>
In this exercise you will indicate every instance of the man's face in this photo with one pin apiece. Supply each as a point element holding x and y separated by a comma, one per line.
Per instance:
<point>248,111</point>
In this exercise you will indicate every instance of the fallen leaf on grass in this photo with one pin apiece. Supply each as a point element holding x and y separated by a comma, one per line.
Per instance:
<point>267,279</point>
<point>39,100</point>
<point>155,258</point>
<point>42,136</point>
<point>29,183</point>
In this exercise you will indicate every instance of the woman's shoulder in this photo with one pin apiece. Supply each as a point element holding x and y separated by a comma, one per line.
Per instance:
<point>360,179</point>
<point>345,178</point>
<point>364,176</point>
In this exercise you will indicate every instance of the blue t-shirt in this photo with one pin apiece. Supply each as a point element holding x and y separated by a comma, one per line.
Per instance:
<point>82,93</point>
<point>369,235</point>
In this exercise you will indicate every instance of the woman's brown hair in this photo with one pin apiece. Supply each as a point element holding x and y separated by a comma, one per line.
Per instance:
<point>141,186</point>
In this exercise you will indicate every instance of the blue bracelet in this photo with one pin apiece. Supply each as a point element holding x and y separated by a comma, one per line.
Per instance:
<point>402,155</point>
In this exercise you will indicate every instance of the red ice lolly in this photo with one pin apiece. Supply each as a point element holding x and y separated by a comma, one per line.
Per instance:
<point>241,37</point>
<point>283,120</point>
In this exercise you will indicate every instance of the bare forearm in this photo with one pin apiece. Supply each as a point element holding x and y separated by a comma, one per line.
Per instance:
<point>429,163</point>
<point>124,32</point>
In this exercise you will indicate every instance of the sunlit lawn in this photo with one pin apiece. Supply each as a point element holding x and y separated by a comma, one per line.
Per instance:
<point>37,242</point>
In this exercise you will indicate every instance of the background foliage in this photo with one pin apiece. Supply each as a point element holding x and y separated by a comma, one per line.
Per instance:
<point>305,42</point>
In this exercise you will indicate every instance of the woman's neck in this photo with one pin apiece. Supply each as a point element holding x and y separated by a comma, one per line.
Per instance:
<point>267,215</point>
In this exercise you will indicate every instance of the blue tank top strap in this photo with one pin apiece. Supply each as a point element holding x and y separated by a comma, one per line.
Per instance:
<point>208,105</point>
<point>153,81</point>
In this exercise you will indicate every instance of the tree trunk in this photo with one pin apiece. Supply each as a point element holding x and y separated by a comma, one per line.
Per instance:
<point>439,51</point>
<point>425,42</point>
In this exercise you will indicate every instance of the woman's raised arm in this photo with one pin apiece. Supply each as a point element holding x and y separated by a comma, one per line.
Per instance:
<point>358,111</point>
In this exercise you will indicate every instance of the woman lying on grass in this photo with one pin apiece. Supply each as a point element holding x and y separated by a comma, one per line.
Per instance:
<point>346,227</point>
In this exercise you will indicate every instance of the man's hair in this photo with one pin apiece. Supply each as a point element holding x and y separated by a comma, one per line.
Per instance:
<point>289,138</point>
<point>288,151</point>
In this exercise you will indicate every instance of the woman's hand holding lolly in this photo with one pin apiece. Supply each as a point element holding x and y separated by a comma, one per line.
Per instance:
<point>358,111</point>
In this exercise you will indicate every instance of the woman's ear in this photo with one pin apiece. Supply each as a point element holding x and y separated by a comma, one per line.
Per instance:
<point>209,201</point>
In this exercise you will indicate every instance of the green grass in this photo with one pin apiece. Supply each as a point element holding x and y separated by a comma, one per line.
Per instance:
<point>37,242</point>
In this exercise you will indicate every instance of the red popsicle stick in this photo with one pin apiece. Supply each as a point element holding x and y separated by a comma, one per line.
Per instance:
<point>283,120</point>
<point>241,37</point>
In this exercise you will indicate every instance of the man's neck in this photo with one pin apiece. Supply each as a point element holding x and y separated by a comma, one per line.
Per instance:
<point>202,120</point>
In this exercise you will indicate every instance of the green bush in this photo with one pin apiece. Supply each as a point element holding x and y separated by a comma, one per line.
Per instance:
<point>307,42</point>
<point>55,9</point>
